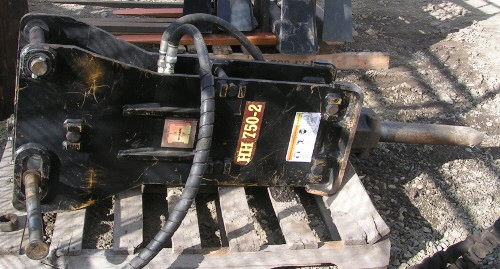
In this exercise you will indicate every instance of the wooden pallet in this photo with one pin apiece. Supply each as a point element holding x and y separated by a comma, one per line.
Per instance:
<point>342,60</point>
<point>349,215</point>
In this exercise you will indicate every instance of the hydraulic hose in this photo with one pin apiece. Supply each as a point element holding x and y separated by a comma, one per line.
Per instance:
<point>202,150</point>
<point>224,25</point>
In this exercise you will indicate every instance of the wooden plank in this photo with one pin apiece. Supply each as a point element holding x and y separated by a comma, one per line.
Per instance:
<point>187,238</point>
<point>222,50</point>
<point>260,39</point>
<point>127,231</point>
<point>292,218</point>
<point>126,20</point>
<point>10,16</point>
<point>363,256</point>
<point>353,213</point>
<point>23,262</point>
<point>342,61</point>
<point>120,4</point>
<point>10,241</point>
<point>6,180</point>
<point>68,233</point>
<point>238,221</point>
<point>150,12</point>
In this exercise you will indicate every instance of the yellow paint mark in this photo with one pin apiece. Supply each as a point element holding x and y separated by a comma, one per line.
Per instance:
<point>92,73</point>
<point>91,179</point>
<point>88,203</point>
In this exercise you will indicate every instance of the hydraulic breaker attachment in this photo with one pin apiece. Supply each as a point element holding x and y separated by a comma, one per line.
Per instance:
<point>105,120</point>
<point>96,116</point>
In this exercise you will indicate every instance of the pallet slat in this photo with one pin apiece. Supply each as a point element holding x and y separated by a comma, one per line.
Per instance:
<point>237,219</point>
<point>127,232</point>
<point>366,256</point>
<point>353,213</point>
<point>130,25</point>
<point>120,4</point>
<point>292,218</point>
<point>10,241</point>
<point>68,233</point>
<point>151,12</point>
<point>342,61</point>
<point>259,39</point>
<point>187,238</point>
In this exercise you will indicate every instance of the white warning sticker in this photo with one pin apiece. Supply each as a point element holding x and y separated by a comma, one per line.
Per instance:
<point>303,137</point>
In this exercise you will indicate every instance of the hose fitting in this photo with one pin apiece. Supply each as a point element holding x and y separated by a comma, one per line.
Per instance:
<point>168,57</point>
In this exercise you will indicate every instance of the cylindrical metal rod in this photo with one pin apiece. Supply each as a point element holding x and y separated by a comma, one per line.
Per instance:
<point>37,249</point>
<point>36,35</point>
<point>436,134</point>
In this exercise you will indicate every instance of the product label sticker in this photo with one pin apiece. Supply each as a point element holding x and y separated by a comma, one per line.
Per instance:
<point>249,132</point>
<point>303,138</point>
<point>178,133</point>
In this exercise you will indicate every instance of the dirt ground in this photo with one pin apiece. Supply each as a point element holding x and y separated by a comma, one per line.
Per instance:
<point>444,69</point>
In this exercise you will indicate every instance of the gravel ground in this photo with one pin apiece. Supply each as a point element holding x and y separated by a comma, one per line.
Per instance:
<point>444,69</point>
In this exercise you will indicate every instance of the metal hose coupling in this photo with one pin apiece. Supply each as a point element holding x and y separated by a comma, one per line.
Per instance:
<point>167,58</point>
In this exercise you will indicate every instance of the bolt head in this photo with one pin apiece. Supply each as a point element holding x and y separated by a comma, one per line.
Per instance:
<point>73,137</point>
<point>233,90</point>
<point>332,109</point>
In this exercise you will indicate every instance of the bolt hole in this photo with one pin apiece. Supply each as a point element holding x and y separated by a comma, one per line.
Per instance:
<point>4,218</point>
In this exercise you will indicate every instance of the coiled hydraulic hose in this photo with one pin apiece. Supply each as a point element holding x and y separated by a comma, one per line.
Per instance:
<point>224,25</point>
<point>205,131</point>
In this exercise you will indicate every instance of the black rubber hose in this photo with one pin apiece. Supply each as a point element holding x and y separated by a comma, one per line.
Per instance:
<point>205,131</point>
<point>224,25</point>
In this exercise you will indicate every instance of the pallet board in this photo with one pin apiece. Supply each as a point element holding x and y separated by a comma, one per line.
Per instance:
<point>120,4</point>
<point>353,213</point>
<point>342,61</point>
<point>129,25</point>
<point>187,238</point>
<point>237,218</point>
<point>364,246</point>
<point>68,233</point>
<point>291,215</point>
<point>127,231</point>
<point>150,12</point>
<point>10,242</point>
<point>260,39</point>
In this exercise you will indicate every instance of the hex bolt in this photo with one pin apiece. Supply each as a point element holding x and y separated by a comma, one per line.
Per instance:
<point>332,109</point>
<point>332,104</point>
<point>38,66</point>
<point>37,249</point>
